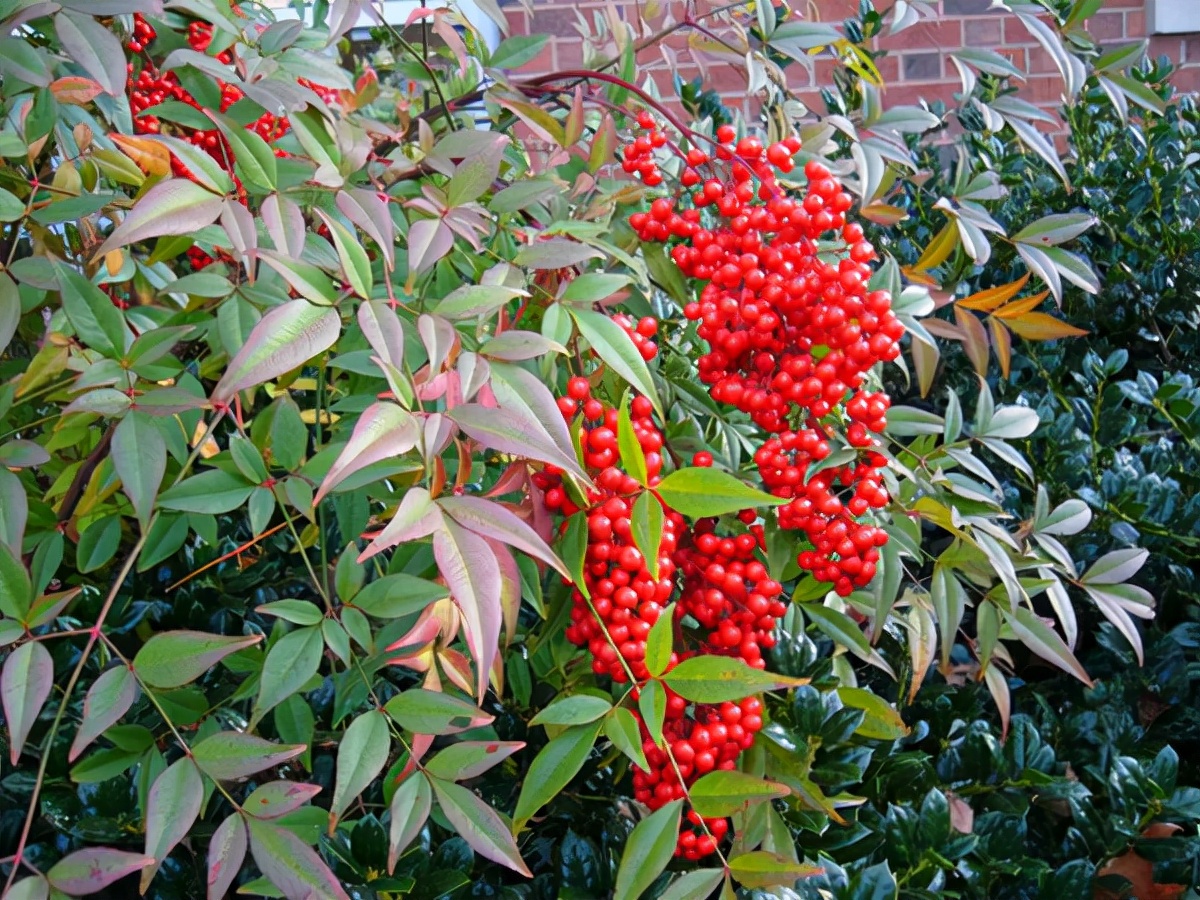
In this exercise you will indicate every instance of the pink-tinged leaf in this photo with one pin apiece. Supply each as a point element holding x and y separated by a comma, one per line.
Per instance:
<point>518,345</point>
<point>239,224</point>
<point>493,520</point>
<point>291,865</point>
<point>229,755</point>
<point>439,430</point>
<point>171,659</point>
<point>457,666</point>
<point>416,518</point>
<point>23,455</point>
<point>479,825</point>
<point>428,241</point>
<point>372,214</point>
<point>438,336</point>
<point>448,33</point>
<point>513,431</point>
<point>284,339</point>
<point>410,808</point>
<point>381,327</point>
<point>92,869</point>
<point>470,759</point>
<point>14,511</point>
<point>510,592</point>
<point>109,698</point>
<point>383,430</point>
<point>285,224</point>
<point>473,577</point>
<point>176,206</point>
<point>474,372</point>
<point>93,48</point>
<point>226,852</point>
<point>278,798</point>
<point>171,809</point>
<point>516,388</point>
<point>421,635</point>
<point>362,754</point>
<point>25,686</point>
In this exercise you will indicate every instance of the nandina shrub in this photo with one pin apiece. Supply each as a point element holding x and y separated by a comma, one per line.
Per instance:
<point>371,479</point>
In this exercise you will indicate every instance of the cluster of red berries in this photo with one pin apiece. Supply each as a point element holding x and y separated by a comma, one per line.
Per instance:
<point>792,327</point>
<point>642,332</point>
<point>726,592</point>
<point>149,86</point>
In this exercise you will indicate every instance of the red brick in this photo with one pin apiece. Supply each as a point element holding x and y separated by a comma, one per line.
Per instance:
<point>922,66</point>
<point>1044,90</point>
<point>1040,62</point>
<point>1168,45</point>
<point>1135,23</point>
<point>835,10</point>
<point>1187,80</point>
<point>1191,50</point>
<point>982,33</point>
<point>889,68</point>
<point>516,21</point>
<point>559,21</point>
<point>1108,26</point>
<point>543,62</point>
<point>1016,34</point>
<point>945,35</point>
<point>965,7</point>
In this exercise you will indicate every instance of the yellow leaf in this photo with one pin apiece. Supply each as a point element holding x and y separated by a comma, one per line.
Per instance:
<point>1020,307</point>
<point>986,301</point>
<point>113,261</point>
<point>883,213</point>
<point>309,417</point>
<point>939,248</point>
<point>150,156</point>
<point>210,447</point>
<point>1002,343</point>
<point>1036,326</point>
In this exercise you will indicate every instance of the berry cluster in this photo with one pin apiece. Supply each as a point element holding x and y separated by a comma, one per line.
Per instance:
<point>726,591</point>
<point>792,327</point>
<point>642,332</point>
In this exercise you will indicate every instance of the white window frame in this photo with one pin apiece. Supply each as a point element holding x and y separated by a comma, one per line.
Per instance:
<point>1173,16</point>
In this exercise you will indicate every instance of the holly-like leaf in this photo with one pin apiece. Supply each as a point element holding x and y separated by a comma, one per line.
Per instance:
<point>700,492</point>
<point>226,852</point>
<point>716,679</point>
<point>175,658</point>
<point>291,865</point>
<point>174,206</point>
<point>647,851</point>
<point>110,697</point>
<point>479,825</point>
<point>721,793</point>
<point>552,770</point>
<point>362,754</point>
<point>25,684</point>
<point>284,339</point>
<point>229,755</point>
<point>172,807</point>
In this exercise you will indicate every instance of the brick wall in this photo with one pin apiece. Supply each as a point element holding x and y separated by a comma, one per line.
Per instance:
<point>916,66</point>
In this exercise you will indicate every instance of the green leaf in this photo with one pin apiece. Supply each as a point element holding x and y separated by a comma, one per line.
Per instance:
<point>254,161</point>
<point>882,722</point>
<point>25,684</point>
<point>660,641</point>
<point>215,491</point>
<point>35,887</point>
<point>723,793</point>
<point>716,679</point>
<point>175,658</point>
<point>98,543</point>
<point>760,869</point>
<point>174,206</point>
<point>517,50</point>
<point>573,550</point>
<point>226,852</point>
<point>229,755</point>
<point>410,808</point>
<point>105,764</point>
<point>298,612</point>
<point>1043,640</point>
<point>577,710</point>
<point>591,287</point>
<point>107,700</point>
<point>842,629</point>
<point>139,455</point>
<point>10,310</point>
<point>552,770</point>
<point>433,712</point>
<point>291,662</point>
<point>92,869</point>
<point>633,457</point>
<point>16,590</point>
<point>356,265</point>
<point>171,809</point>
<point>470,759</point>
<point>284,339</point>
<point>96,321</point>
<point>647,851</point>
<point>398,595</point>
<point>278,798</point>
<point>621,727</point>
<point>362,754</point>
<point>290,864</point>
<point>11,208</point>
<point>616,349</point>
<point>1116,567</point>
<point>646,526</point>
<point>695,885</point>
<point>700,492</point>
<point>479,825</point>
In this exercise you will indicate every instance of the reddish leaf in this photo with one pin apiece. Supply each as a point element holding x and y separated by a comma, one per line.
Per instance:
<point>1037,326</point>
<point>25,686</point>
<point>410,808</point>
<point>226,850</point>
<point>479,825</point>
<point>109,698</point>
<point>384,430</point>
<point>229,755</point>
<point>92,869</point>
<point>473,576</point>
<point>383,331</point>
<point>493,520</point>
<point>171,809</point>
<point>75,91</point>
<point>176,206</point>
<point>291,865</point>
<point>470,759</point>
<point>371,212</point>
<point>511,431</point>
<point>417,517</point>
<point>428,241</point>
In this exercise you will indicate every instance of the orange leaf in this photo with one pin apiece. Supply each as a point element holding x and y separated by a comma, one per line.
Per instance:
<point>75,91</point>
<point>975,339</point>
<point>883,213</point>
<point>1036,326</point>
<point>939,248</point>
<point>150,156</point>
<point>1002,343</point>
<point>986,301</point>
<point>1022,306</point>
